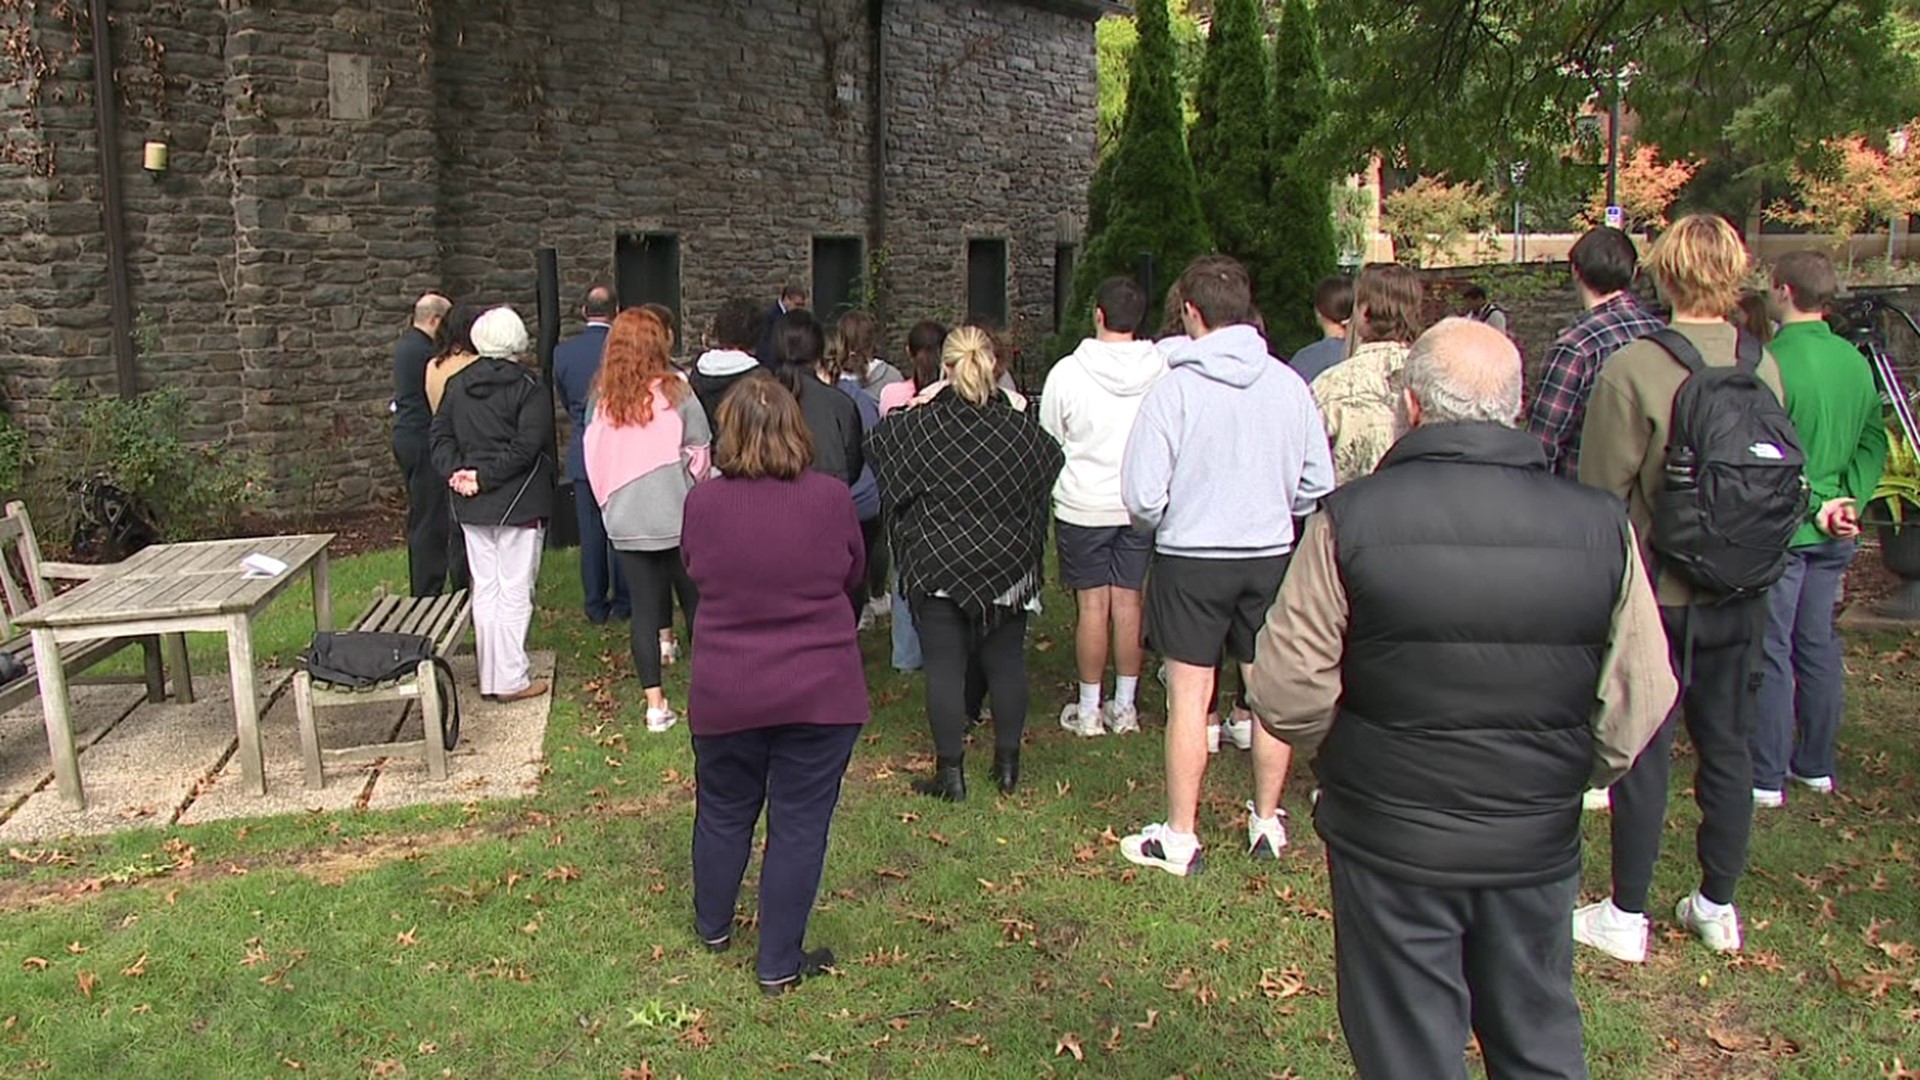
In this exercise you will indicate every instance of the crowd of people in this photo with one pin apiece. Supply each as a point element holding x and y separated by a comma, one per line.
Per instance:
<point>1472,609</point>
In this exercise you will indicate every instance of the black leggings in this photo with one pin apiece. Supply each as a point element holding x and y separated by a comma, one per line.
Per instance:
<point>879,566</point>
<point>653,577</point>
<point>954,649</point>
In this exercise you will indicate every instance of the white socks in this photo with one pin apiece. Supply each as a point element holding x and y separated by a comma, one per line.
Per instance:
<point>1704,908</point>
<point>1625,920</point>
<point>1178,845</point>
<point>1124,687</point>
<point>1089,699</point>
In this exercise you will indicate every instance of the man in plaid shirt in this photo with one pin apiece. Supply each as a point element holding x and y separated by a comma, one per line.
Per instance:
<point>1603,265</point>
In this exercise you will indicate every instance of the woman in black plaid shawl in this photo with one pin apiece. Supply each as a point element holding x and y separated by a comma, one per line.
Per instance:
<point>965,478</point>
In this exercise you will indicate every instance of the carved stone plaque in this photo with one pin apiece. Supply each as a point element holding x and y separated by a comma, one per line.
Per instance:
<point>349,86</point>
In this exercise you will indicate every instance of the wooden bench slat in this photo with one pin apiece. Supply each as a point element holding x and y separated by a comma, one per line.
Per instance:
<point>418,615</point>
<point>372,619</point>
<point>445,619</point>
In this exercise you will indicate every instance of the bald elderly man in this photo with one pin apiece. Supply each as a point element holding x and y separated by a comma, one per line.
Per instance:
<point>430,558</point>
<point>1468,642</point>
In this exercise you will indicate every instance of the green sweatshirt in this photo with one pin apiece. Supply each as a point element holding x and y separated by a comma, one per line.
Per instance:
<point>1836,409</point>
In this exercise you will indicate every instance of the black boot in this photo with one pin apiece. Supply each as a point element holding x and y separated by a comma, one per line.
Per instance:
<point>949,780</point>
<point>1006,770</point>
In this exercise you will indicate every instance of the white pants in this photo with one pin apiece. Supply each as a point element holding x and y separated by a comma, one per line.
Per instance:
<point>505,562</point>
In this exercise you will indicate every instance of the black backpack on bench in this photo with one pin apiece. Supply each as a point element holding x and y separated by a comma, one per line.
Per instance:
<point>359,659</point>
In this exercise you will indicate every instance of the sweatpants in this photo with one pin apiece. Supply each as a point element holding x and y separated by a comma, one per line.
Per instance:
<point>1420,968</point>
<point>951,642</point>
<point>1718,700</point>
<point>1802,681</point>
<point>436,554</point>
<point>653,579</point>
<point>505,563</point>
<point>794,771</point>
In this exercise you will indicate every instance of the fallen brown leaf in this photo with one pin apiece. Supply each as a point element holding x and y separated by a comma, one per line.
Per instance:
<point>1069,1044</point>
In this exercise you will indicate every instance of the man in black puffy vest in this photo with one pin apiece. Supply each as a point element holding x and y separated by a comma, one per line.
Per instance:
<point>1469,641</point>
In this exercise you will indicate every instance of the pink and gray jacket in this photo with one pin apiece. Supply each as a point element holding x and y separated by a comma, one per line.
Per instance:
<point>641,473</point>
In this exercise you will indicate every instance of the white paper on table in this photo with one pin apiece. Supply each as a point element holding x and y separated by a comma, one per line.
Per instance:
<point>262,566</point>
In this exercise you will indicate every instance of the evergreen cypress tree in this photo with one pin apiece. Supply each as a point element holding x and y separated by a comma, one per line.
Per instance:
<point>1146,190</point>
<point>1229,141</point>
<point>1301,251</point>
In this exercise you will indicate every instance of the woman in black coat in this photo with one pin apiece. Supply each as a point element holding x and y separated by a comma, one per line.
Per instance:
<point>489,442</point>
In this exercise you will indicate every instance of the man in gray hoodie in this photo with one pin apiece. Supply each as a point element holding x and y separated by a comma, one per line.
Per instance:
<point>1227,451</point>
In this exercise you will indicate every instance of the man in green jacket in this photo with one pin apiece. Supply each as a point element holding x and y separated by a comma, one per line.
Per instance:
<point>1831,397</point>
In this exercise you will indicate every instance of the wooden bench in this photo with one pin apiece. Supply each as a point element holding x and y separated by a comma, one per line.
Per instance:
<point>444,620</point>
<point>21,564</point>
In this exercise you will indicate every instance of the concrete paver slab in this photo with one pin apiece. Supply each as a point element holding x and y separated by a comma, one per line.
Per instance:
<point>143,770</point>
<point>24,764</point>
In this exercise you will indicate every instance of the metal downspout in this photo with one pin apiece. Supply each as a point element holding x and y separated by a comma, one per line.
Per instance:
<point>106,107</point>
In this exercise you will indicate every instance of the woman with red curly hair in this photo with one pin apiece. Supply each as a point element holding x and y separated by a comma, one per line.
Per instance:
<point>646,446</point>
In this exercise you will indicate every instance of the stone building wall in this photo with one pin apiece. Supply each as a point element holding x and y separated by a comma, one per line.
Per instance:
<point>332,159</point>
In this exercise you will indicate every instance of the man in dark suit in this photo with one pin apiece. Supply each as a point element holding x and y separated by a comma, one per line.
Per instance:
<point>430,532</point>
<point>575,363</point>
<point>792,298</point>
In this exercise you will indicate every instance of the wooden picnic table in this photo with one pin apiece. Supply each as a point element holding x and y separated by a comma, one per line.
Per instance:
<point>170,589</point>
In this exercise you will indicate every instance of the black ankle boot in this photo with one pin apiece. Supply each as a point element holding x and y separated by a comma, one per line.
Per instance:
<point>1006,770</point>
<point>949,780</point>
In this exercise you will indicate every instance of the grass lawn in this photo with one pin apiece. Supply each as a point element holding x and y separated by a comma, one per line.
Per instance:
<point>996,938</point>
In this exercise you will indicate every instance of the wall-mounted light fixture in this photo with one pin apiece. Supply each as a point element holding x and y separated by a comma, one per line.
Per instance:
<point>155,160</point>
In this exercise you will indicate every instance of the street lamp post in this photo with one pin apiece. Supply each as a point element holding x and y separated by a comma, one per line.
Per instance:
<point>1896,148</point>
<point>1517,172</point>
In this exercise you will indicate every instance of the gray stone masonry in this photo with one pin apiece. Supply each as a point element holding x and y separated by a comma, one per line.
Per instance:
<point>332,159</point>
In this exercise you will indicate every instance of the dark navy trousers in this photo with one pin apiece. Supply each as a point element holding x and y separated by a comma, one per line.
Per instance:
<point>794,772</point>
<point>600,574</point>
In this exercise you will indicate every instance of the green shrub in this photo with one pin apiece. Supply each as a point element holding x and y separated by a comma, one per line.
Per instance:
<point>1146,201</point>
<point>142,446</point>
<point>14,455</point>
<point>1302,250</point>
<point>1229,140</point>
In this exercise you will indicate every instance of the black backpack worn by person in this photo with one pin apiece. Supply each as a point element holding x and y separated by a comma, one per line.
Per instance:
<point>1736,488</point>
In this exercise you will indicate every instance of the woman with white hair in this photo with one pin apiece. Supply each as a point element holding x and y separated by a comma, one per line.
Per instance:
<point>490,441</point>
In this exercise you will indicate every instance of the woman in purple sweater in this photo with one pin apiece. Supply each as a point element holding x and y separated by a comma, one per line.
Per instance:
<point>778,695</point>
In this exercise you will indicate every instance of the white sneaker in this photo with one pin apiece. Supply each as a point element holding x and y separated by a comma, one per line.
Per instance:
<point>881,608</point>
<point>1148,847</point>
<point>1086,726</point>
<point>1597,799</point>
<point>669,653</point>
<point>1820,784</point>
<point>1239,728</point>
<point>659,720</point>
<point>1721,932</point>
<point>1266,840</point>
<point>1765,799</point>
<point>1617,933</point>
<point>1213,738</point>
<point>1122,719</point>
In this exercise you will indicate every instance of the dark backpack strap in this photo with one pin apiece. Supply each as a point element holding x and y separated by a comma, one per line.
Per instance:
<point>1678,347</point>
<point>449,704</point>
<point>1746,352</point>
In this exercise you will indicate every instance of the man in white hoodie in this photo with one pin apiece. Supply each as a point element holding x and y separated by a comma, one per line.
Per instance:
<point>1089,404</point>
<point>1227,451</point>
